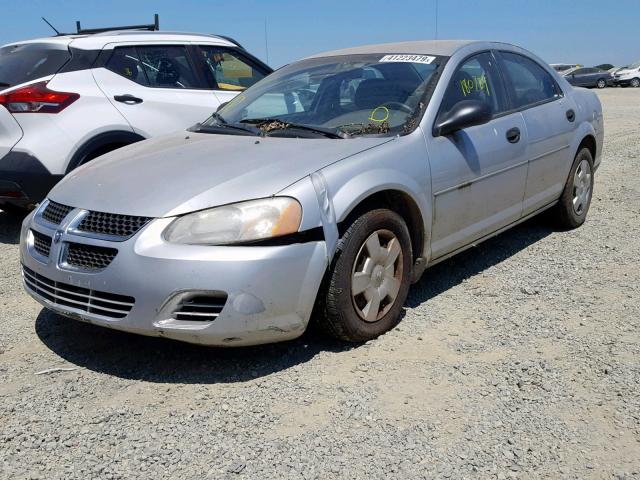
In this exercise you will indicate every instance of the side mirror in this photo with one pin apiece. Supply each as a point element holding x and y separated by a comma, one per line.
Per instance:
<point>221,106</point>
<point>464,114</point>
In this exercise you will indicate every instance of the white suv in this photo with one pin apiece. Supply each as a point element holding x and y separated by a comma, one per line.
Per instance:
<point>67,99</point>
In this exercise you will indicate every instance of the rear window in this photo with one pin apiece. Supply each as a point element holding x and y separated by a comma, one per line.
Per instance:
<point>26,62</point>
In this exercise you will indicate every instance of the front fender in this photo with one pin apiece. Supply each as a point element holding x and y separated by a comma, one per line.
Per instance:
<point>400,165</point>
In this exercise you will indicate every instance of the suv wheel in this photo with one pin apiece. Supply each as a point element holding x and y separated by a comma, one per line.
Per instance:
<point>635,82</point>
<point>369,278</point>
<point>602,83</point>
<point>571,210</point>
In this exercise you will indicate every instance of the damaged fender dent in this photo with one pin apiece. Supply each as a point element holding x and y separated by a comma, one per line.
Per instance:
<point>327,213</point>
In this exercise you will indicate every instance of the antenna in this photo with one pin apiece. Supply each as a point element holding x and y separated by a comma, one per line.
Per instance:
<point>52,27</point>
<point>266,40</point>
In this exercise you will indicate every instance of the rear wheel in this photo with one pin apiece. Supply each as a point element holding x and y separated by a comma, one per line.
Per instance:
<point>571,210</point>
<point>601,83</point>
<point>369,278</point>
<point>635,82</point>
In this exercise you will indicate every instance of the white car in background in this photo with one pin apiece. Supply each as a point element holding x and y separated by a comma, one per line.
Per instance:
<point>628,76</point>
<point>68,99</point>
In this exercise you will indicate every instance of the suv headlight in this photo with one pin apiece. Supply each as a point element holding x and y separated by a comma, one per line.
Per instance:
<point>237,223</point>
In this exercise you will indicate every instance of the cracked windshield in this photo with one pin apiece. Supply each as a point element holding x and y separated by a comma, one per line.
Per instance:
<point>334,97</point>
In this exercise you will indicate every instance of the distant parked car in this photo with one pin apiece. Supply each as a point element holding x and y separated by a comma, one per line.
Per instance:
<point>67,99</point>
<point>563,68</point>
<point>589,77</point>
<point>628,76</point>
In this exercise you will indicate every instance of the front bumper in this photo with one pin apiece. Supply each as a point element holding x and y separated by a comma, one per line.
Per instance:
<point>271,290</point>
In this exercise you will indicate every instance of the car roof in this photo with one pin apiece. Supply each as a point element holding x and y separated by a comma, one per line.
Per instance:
<point>424,47</point>
<point>99,40</point>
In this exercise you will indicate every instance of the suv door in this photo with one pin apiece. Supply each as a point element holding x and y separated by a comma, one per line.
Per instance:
<point>549,116</point>
<point>229,71</point>
<point>478,173</point>
<point>158,88</point>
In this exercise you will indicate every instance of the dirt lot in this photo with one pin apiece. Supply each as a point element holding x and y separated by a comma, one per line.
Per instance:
<point>517,359</point>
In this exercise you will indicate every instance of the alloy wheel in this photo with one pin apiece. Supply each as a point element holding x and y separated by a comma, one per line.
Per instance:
<point>582,187</point>
<point>376,275</point>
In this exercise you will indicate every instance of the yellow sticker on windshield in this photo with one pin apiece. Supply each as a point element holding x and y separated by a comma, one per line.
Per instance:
<point>374,117</point>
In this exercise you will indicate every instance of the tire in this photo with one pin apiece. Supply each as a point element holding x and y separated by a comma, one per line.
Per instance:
<point>635,82</point>
<point>601,83</point>
<point>573,206</point>
<point>361,254</point>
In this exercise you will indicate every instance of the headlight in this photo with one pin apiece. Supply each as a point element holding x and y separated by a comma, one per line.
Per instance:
<point>237,223</point>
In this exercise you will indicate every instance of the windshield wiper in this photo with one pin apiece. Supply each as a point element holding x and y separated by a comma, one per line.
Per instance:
<point>221,123</point>
<point>268,125</point>
<point>4,84</point>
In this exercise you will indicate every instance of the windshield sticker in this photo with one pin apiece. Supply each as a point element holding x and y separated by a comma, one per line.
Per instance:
<point>426,59</point>
<point>379,117</point>
<point>475,84</point>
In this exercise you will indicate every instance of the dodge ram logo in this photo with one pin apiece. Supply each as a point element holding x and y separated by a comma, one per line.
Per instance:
<point>57,236</point>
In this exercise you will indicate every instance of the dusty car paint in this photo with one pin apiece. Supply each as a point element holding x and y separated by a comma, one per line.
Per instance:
<point>462,198</point>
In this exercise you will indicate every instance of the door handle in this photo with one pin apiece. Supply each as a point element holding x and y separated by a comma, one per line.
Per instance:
<point>571,115</point>
<point>128,99</point>
<point>513,135</point>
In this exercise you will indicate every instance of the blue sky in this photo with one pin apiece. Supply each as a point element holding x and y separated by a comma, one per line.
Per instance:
<point>581,31</point>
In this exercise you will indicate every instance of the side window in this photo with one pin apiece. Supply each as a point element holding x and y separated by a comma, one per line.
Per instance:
<point>229,69</point>
<point>125,62</point>
<point>476,79</point>
<point>530,83</point>
<point>167,66</point>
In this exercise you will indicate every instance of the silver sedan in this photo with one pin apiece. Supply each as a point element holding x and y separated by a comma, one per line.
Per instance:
<point>326,188</point>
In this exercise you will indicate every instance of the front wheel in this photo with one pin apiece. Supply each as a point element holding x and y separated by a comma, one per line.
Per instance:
<point>369,278</point>
<point>571,210</point>
<point>601,83</point>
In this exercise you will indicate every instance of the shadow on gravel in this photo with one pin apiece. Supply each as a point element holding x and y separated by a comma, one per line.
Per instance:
<point>453,271</point>
<point>10,227</point>
<point>160,360</point>
<point>153,359</point>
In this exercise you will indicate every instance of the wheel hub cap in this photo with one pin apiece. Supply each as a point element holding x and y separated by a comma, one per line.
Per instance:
<point>582,187</point>
<point>376,275</point>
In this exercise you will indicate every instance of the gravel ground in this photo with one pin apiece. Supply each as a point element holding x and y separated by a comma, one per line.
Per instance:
<point>517,359</point>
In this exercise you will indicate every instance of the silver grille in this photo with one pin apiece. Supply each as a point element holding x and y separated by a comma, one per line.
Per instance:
<point>89,257</point>
<point>78,298</point>
<point>200,308</point>
<point>54,212</point>
<point>41,243</point>
<point>112,224</point>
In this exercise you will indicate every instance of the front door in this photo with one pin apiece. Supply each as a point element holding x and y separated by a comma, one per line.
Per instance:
<point>478,173</point>
<point>229,70</point>
<point>156,88</point>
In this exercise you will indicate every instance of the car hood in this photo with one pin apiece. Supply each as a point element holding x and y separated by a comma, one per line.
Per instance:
<point>185,172</point>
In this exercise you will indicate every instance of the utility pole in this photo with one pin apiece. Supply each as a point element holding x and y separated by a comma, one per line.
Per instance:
<point>266,40</point>
<point>436,19</point>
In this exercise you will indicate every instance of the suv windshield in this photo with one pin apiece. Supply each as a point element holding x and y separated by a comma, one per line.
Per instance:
<point>345,95</point>
<point>30,61</point>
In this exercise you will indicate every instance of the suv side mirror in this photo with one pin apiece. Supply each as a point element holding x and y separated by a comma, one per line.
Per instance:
<point>221,106</point>
<point>464,114</point>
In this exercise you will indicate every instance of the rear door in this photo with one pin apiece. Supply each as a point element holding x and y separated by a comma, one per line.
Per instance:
<point>478,173</point>
<point>549,116</point>
<point>158,88</point>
